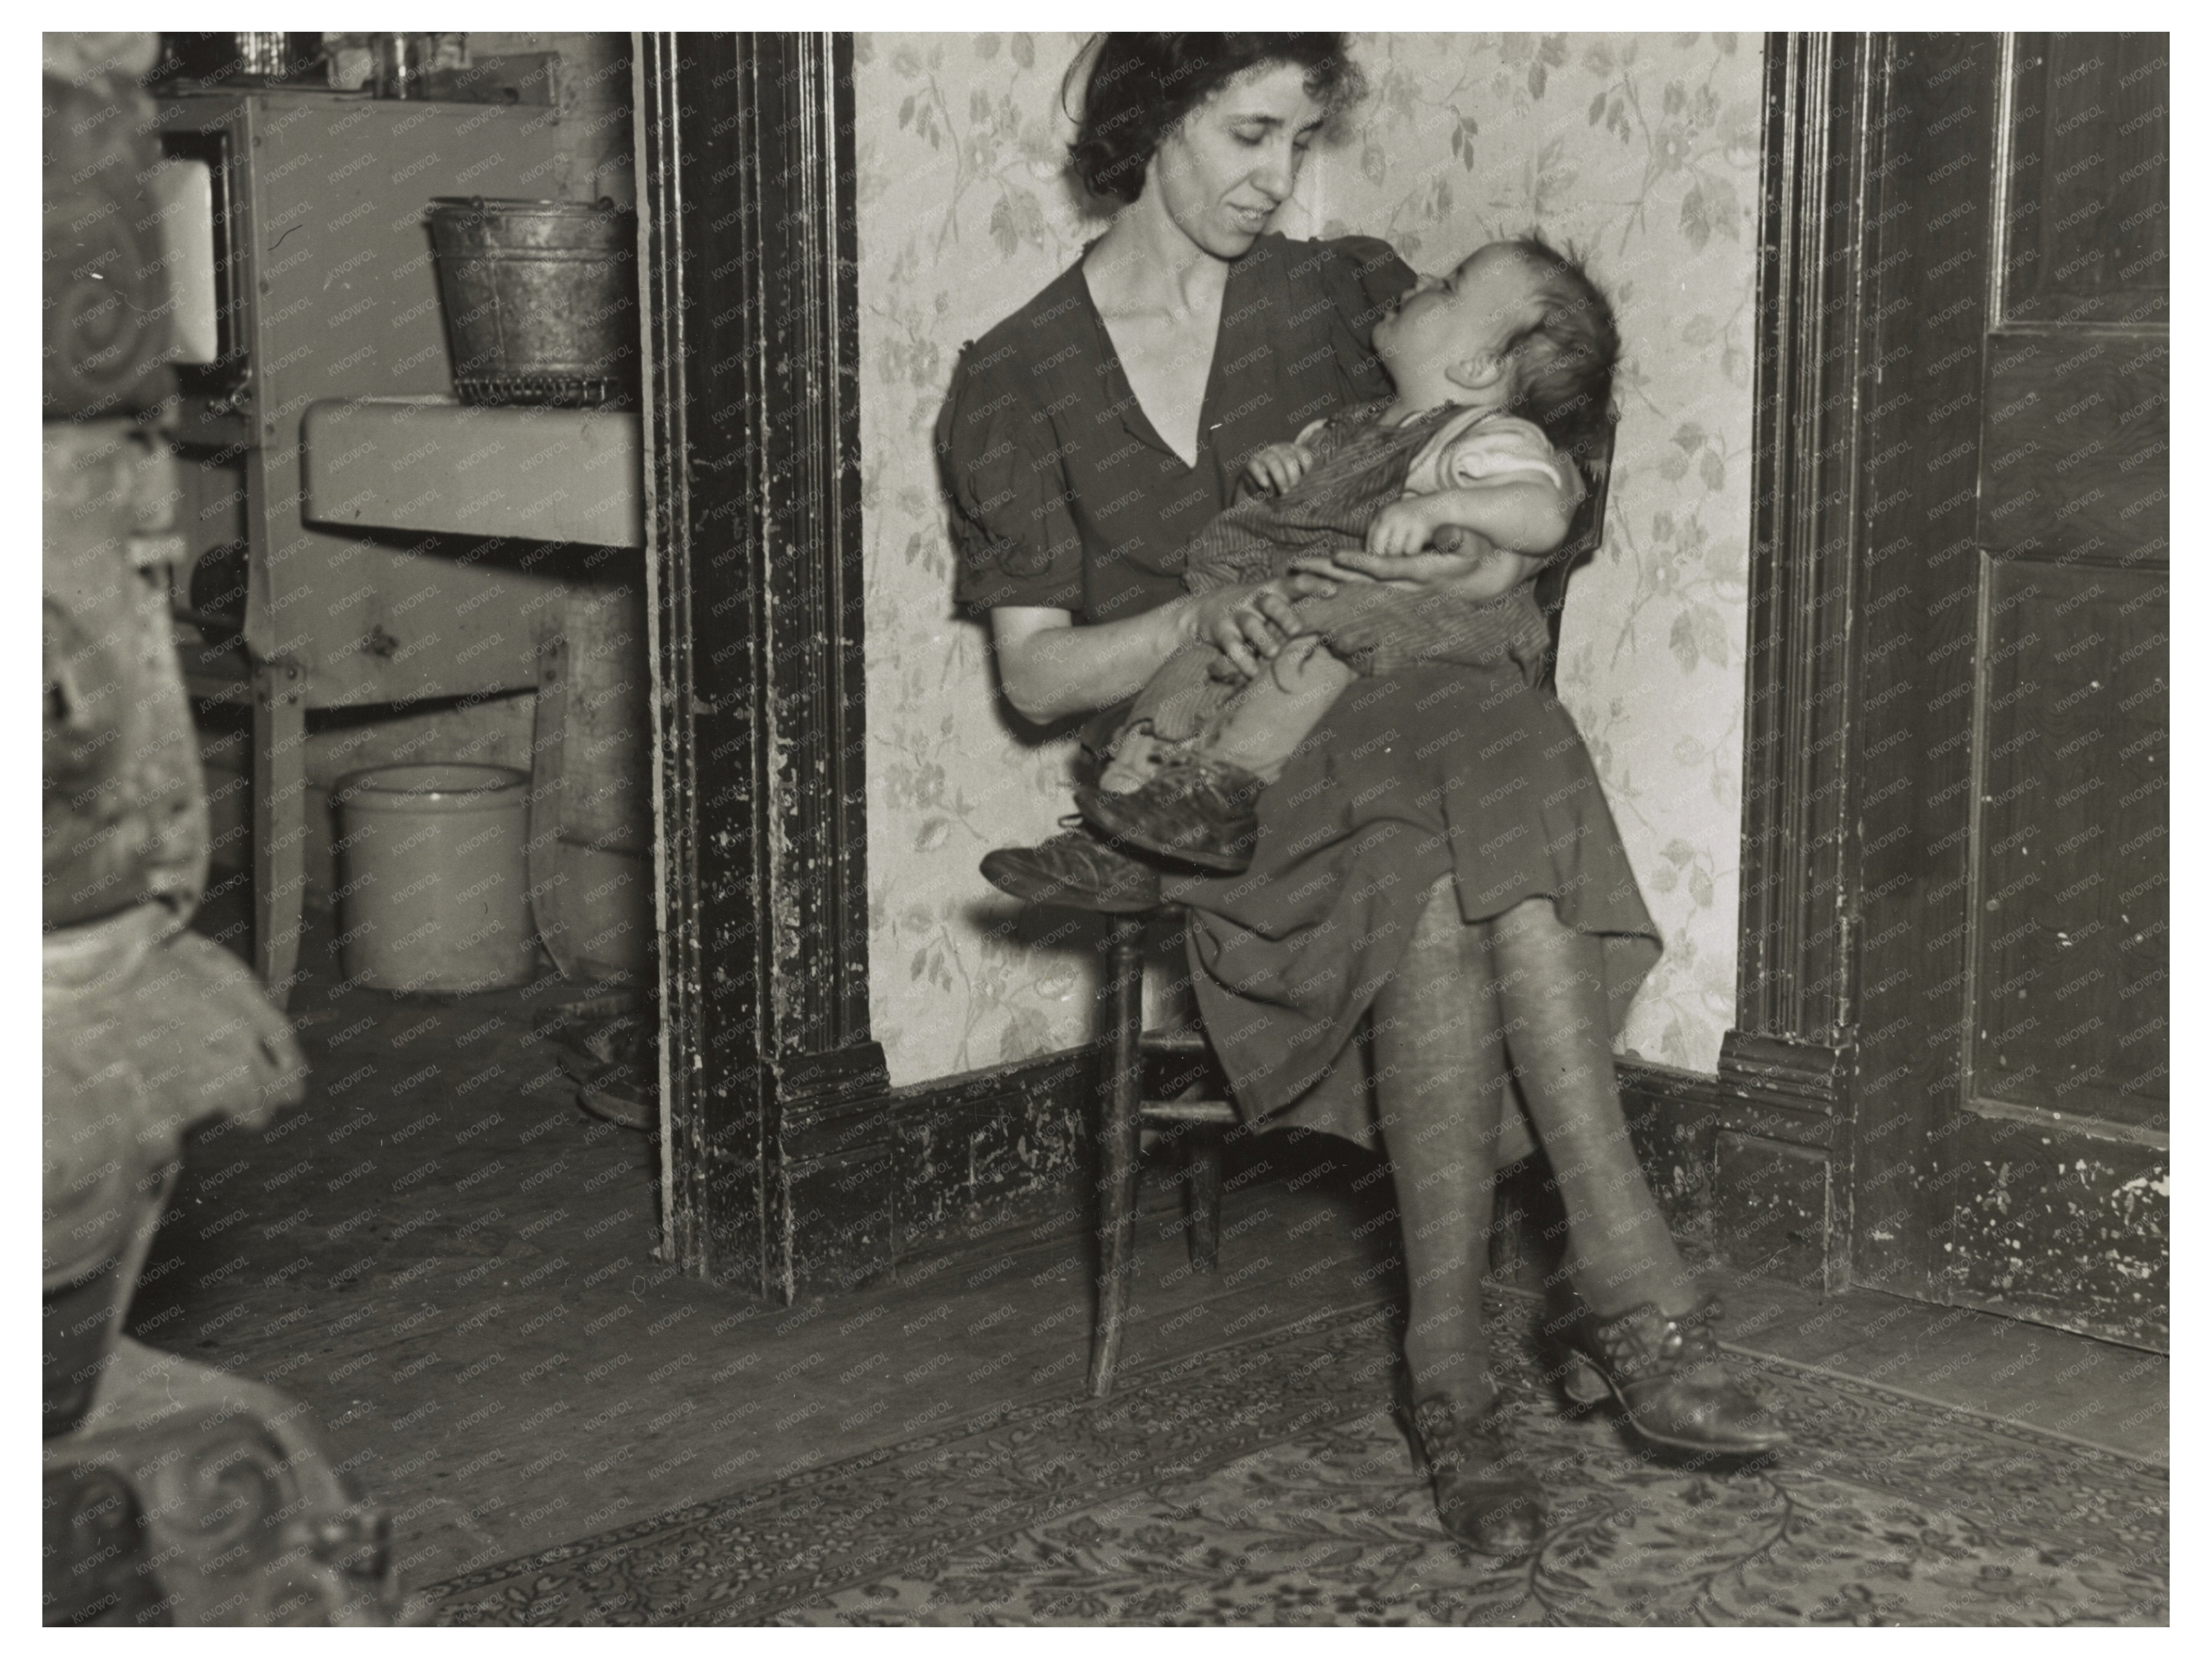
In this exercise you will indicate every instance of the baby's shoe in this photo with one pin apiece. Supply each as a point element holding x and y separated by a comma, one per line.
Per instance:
<point>1078,870</point>
<point>1197,810</point>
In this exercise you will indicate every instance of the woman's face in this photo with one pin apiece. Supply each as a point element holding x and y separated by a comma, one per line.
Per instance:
<point>1223,170</point>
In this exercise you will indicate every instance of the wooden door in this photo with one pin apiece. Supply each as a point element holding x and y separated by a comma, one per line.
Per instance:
<point>2012,690</point>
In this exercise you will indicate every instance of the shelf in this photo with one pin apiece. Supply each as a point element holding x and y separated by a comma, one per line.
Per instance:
<point>431,465</point>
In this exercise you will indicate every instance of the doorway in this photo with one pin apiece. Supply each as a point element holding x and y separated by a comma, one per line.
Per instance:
<point>1947,1075</point>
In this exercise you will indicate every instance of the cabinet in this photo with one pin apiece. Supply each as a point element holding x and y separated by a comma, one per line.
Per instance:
<point>325,287</point>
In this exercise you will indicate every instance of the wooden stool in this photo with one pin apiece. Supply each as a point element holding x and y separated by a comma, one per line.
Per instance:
<point>1124,1046</point>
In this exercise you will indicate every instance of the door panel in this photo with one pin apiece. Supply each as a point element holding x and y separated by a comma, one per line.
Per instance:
<point>1925,261</point>
<point>2086,209</point>
<point>2069,983</point>
<point>2077,417</point>
<point>2011,1110</point>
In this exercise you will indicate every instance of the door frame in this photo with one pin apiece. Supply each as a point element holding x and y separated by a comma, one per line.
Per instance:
<point>755,309</point>
<point>748,284</point>
<point>1782,1160</point>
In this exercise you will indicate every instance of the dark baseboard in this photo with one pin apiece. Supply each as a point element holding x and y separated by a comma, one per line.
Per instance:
<point>1742,1177</point>
<point>1673,1116</point>
<point>877,1182</point>
<point>1750,1164</point>
<point>972,1164</point>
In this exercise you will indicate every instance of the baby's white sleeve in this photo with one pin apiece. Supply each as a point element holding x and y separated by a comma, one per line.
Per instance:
<point>1500,448</point>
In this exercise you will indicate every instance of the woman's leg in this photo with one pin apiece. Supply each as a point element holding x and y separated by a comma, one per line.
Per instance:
<point>1552,991</point>
<point>1440,1057</point>
<point>1651,1340</point>
<point>1441,1064</point>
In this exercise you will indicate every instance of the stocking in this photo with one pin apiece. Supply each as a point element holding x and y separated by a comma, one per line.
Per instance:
<point>1440,1065</point>
<point>1552,994</point>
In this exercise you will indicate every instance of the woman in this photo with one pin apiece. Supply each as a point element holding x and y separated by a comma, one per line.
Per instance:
<point>1087,438</point>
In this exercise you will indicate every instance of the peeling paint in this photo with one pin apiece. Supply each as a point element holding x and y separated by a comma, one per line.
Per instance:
<point>2080,1242</point>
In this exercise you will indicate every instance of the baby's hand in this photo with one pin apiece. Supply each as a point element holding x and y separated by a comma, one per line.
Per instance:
<point>1402,529</point>
<point>1278,466</point>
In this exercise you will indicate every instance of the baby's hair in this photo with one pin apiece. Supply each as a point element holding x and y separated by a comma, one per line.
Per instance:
<point>1563,363</point>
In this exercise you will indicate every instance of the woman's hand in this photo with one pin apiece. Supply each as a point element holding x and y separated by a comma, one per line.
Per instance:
<point>1251,625</point>
<point>1276,467</point>
<point>1465,566</point>
<point>1460,554</point>
<point>1330,568</point>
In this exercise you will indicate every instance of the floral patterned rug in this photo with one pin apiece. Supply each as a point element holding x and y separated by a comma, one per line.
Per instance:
<point>1264,1483</point>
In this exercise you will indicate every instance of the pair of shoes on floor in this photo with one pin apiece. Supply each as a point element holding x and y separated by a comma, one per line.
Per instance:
<point>1196,810</point>
<point>1665,1373</point>
<point>1664,1370</point>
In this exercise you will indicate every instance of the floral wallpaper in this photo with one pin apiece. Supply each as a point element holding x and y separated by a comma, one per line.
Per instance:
<point>1641,150</point>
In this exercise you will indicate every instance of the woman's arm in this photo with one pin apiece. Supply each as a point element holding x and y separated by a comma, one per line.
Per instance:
<point>1051,668</point>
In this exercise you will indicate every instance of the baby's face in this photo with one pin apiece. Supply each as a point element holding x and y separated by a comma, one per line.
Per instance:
<point>1444,322</point>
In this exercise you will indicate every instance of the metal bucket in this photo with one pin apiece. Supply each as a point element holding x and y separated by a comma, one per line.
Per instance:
<point>540,298</point>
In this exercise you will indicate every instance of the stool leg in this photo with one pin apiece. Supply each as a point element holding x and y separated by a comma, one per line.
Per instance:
<point>1201,1172</point>
<point>1121,1089</point>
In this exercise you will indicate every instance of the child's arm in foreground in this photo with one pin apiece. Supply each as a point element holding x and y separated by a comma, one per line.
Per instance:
<point>1450,605</point>
<point>1522,518</point>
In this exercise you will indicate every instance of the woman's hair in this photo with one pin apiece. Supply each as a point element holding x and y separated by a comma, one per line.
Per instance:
<point>1140,85</point>
<point>1562,364</point>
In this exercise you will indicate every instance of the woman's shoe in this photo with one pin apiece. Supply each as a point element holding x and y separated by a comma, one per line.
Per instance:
<point>1667,1376</point>
<point>1484,1497</point>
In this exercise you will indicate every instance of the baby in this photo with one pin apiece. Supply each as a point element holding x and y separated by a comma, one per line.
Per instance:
<point>1503,370</point>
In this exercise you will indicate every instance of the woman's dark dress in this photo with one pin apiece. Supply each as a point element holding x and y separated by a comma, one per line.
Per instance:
<point>1064,497</point>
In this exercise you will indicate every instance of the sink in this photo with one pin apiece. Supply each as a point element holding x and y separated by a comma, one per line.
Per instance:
<point>433,465</point>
